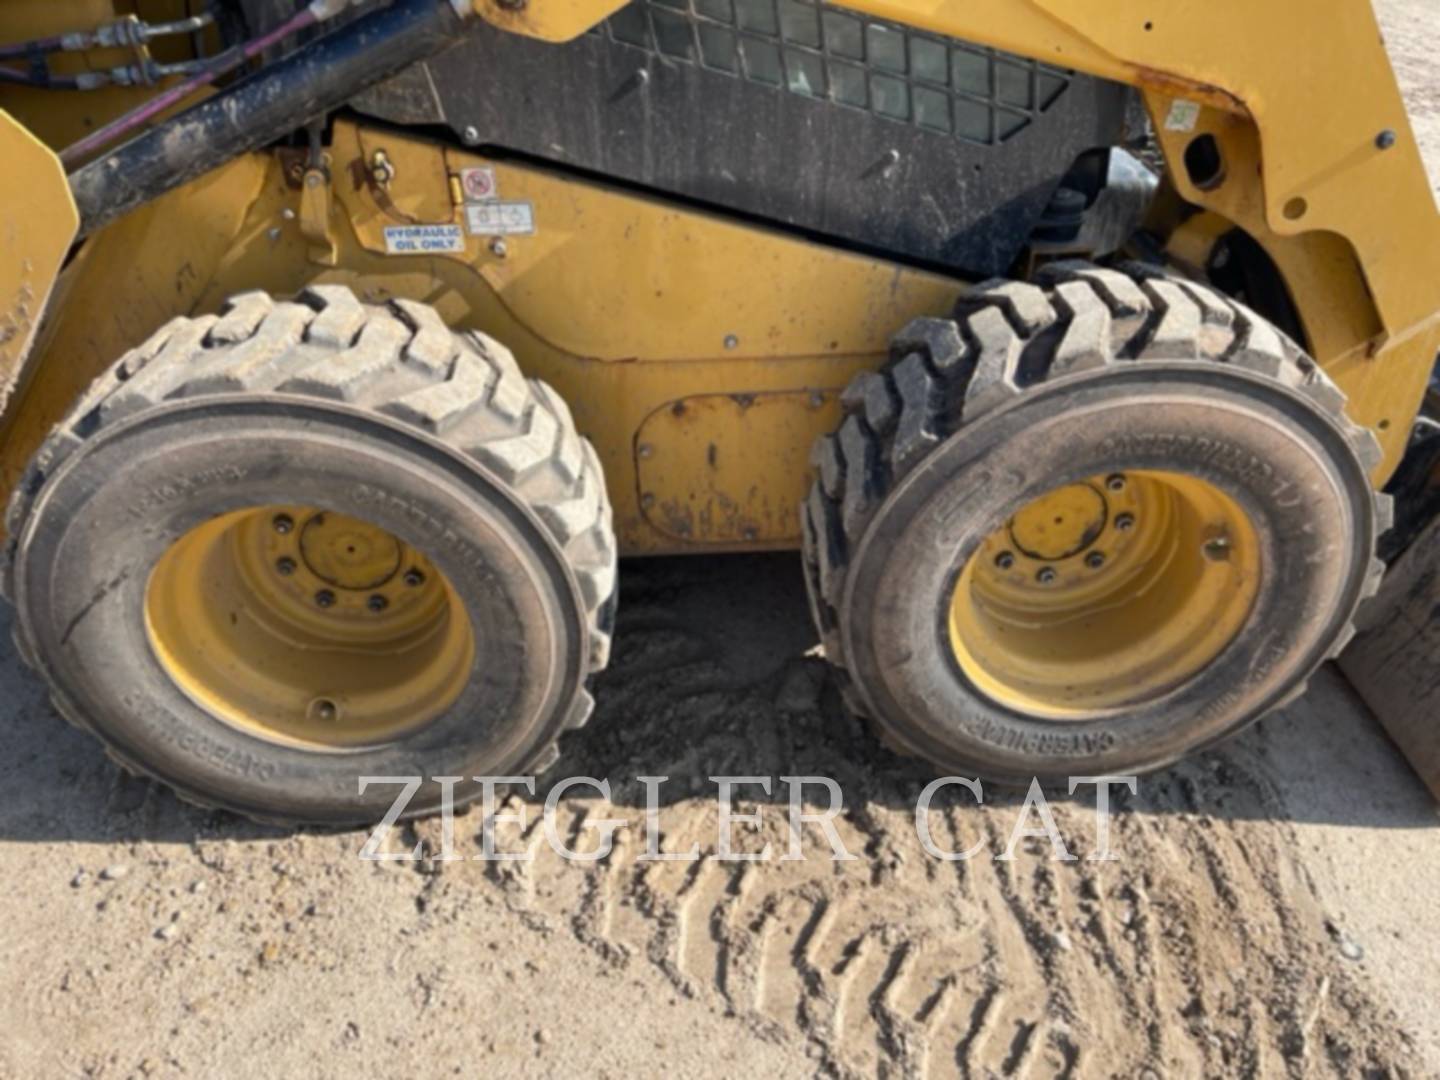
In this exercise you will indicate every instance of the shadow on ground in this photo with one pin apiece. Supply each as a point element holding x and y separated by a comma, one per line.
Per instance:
<point>712,676</point>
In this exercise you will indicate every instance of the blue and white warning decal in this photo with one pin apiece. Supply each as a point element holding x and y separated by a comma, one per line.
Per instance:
<point>424,239</point>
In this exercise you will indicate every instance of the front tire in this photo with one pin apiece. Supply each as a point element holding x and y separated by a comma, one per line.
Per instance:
<point>279,549</point>
<point>1087,527</point>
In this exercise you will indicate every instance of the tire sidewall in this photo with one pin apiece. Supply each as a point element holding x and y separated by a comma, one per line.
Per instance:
<point>104,520</point>
<point>1285,463</point>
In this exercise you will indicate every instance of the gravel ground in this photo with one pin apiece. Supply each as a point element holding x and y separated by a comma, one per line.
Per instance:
<point>1271,912</point>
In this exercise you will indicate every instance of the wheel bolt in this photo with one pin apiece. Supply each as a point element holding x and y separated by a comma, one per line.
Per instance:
<point>324,711</point>
<point>1115,482</point>
<point>414,578</point>
<point>1125,522</point>
<point>1217,549</point>
<point>1095,560</point>
<point>285,567</point>
<point>1045,575</point>
<point>325,598</point>
<point>1004,560</point>
<point>283,524</point>
<point>377,604</point>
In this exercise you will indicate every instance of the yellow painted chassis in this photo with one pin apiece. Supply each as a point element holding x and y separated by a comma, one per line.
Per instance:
<point>703,356</point>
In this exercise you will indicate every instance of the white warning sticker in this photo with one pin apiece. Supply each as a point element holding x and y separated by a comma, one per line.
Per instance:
<point>424,239</point>
<point>479,185</point>
<point>1183,115</point>
<point>500,218</point>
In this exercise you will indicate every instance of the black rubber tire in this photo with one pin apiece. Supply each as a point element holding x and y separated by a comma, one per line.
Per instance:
<point>378,412</point>
<point>1030,387</point>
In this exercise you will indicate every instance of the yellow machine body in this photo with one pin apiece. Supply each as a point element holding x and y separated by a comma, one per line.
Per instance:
<point>704,355</point>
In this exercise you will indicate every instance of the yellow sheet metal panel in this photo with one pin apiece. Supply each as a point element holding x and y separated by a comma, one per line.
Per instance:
<point>123,285</point>
<point>38,222</point>
<point>731,468</point>
<point>548,20</point>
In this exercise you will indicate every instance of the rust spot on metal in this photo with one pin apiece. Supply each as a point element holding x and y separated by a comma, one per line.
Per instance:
<point>1174,86</point>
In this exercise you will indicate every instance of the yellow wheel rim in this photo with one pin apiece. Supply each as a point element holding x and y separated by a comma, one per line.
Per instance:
<point>308,628</point>
<point>1105,594</point>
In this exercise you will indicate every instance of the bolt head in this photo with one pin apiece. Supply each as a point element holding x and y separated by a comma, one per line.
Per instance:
<point>471,135</point>
<point>283,524</point>
<point>1005,560</point>
<point>285,567</point>
<point>324,599</point>
<point>1115,482</point>
<point>1095,560</point>
<point>1046,575</point>
<point>324,711</point>
<point>498,248</point>
<point>414,578</point>
<point>731,341</point>
<point>377,603</point>
<point>1386,139</point>
<point>1125,522</point>
<point>1216,549</point>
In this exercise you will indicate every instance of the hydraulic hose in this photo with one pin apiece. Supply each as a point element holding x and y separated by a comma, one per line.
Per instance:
<point>264,107</point>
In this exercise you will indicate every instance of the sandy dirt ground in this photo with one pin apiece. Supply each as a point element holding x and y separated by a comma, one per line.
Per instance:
<point>1271,911</point>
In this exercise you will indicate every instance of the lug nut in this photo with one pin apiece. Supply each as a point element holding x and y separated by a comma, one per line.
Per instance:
<point>325,598</point>
<point>285,567</point>
<point>1004,560</point>
<point>1125,522</point>
<point>1216,549</point>
<point>414,578</point>
<point>1115,482</point>
<point>377,604</point>
<point>323,710</point>
<point>1095,560</point>
<point>283,524</point>
<point>1045,575</point>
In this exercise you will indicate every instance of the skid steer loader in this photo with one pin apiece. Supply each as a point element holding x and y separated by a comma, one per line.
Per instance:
<point>346,347</point>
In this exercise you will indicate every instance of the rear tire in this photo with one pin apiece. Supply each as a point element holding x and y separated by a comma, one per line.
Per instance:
<point>1051,391</point>
<point>433,440</point>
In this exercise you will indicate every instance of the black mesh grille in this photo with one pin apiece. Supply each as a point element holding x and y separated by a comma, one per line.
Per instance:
<point>821,51</point>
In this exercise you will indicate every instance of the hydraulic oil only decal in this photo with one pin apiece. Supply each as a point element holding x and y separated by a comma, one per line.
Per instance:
<point>424,239</point>
<point>498,218</point>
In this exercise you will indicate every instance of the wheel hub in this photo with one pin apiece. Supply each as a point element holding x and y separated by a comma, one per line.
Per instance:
<point>308,627</point>
<point>1105,593</point>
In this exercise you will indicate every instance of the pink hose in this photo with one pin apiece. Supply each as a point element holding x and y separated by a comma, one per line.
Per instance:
<point>227,62</point>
